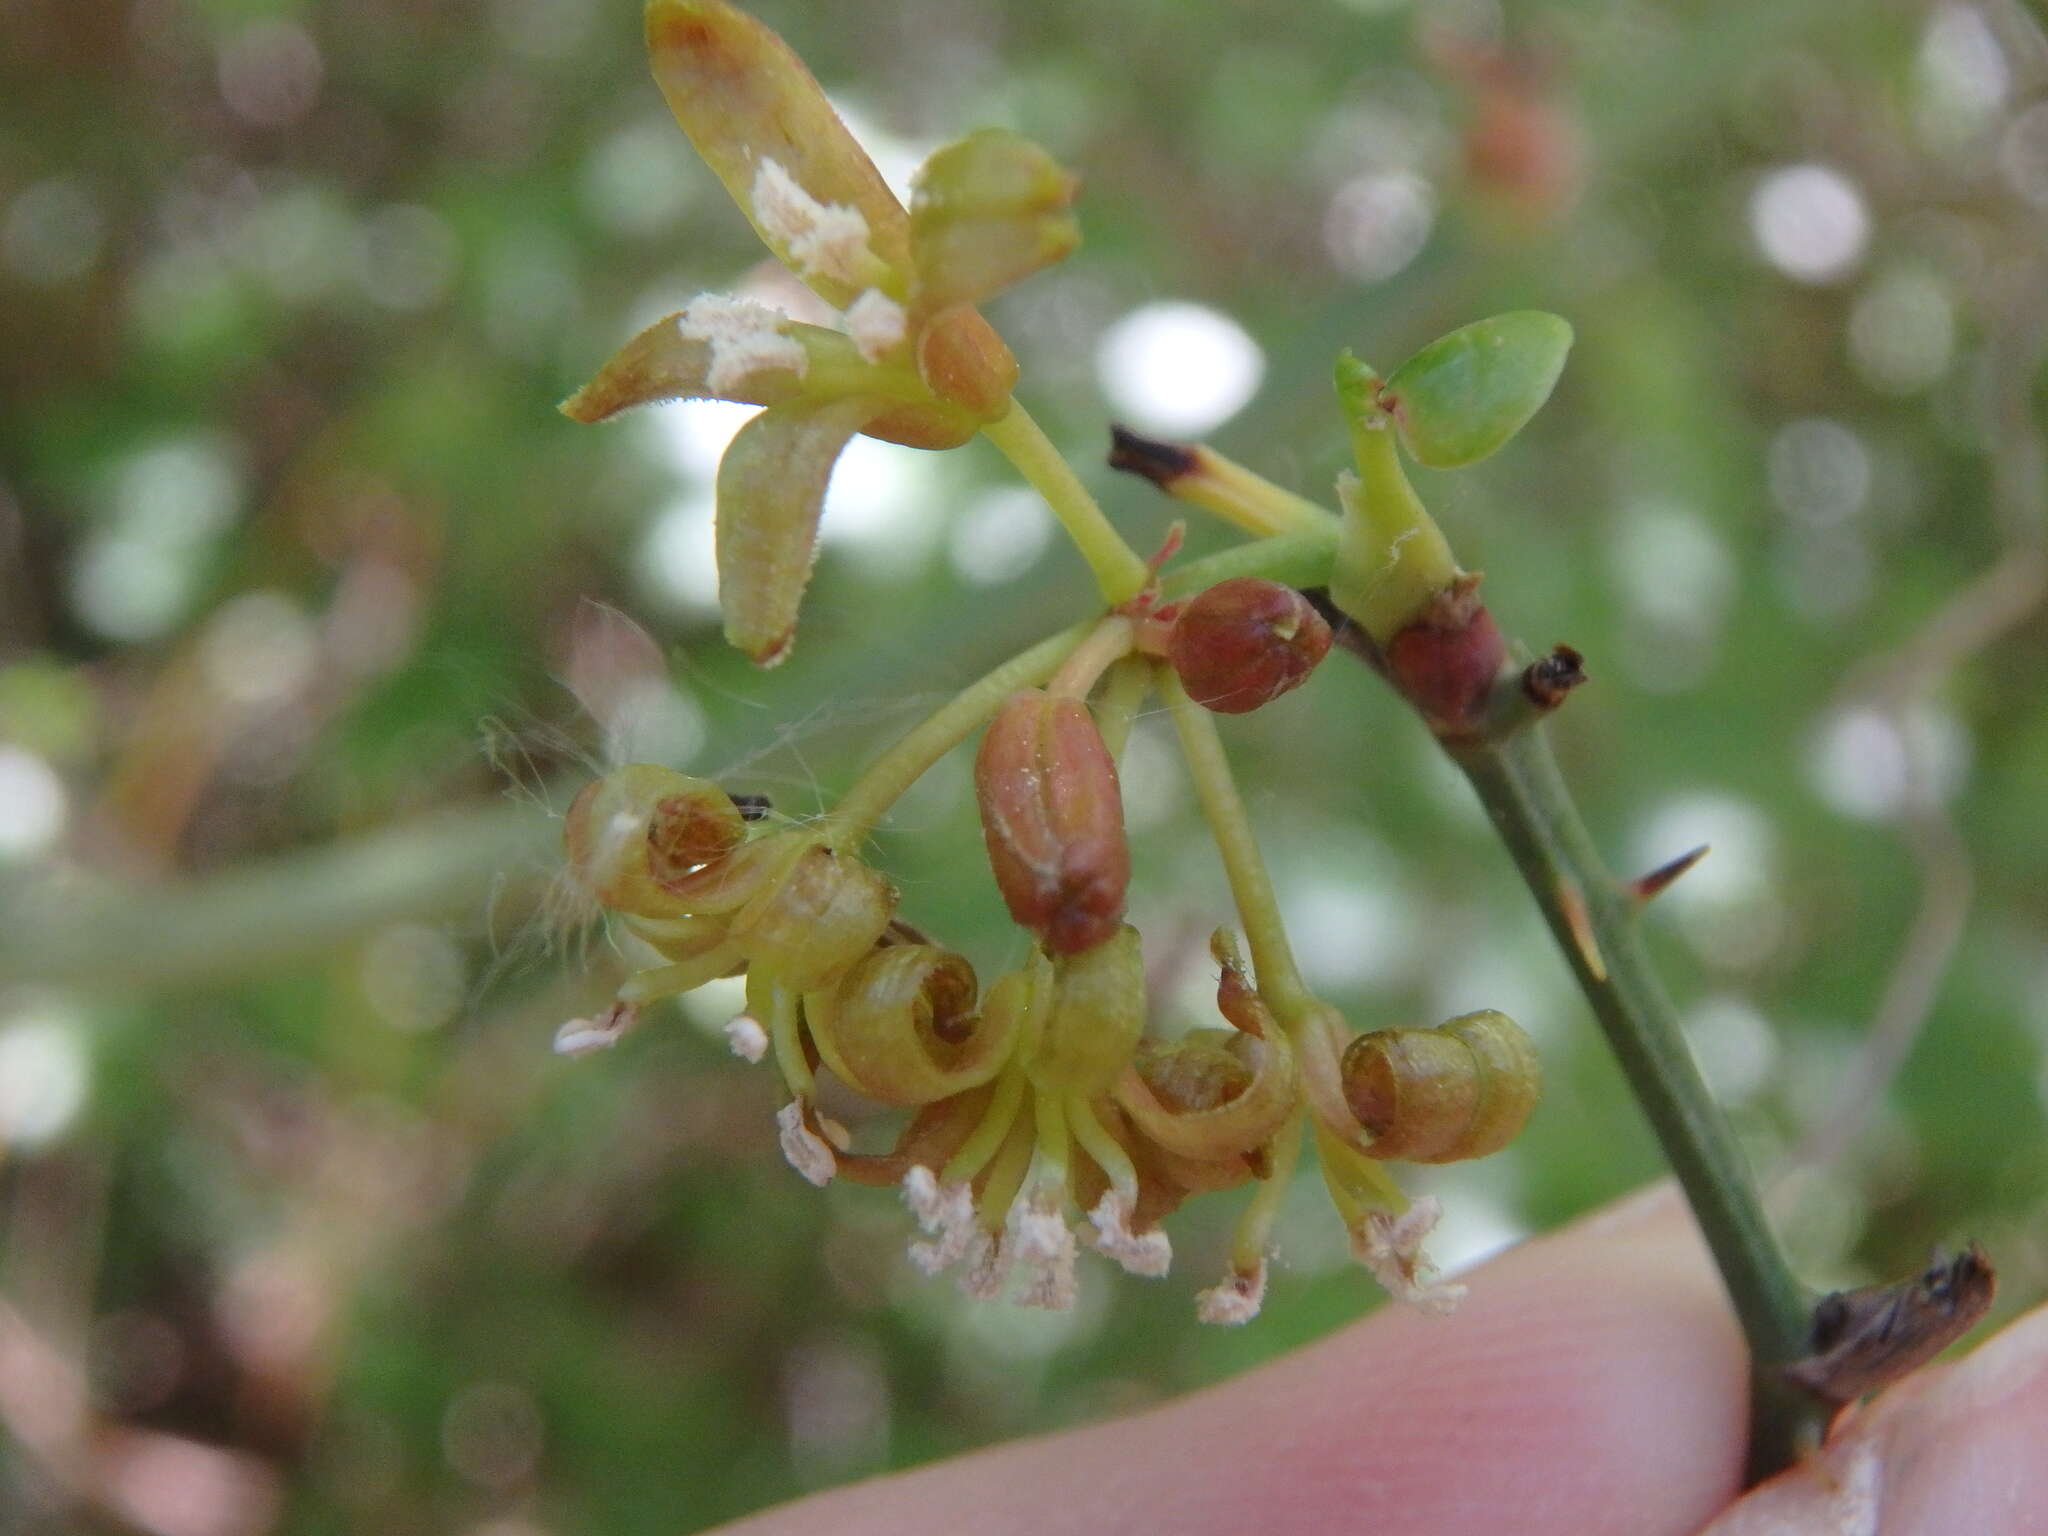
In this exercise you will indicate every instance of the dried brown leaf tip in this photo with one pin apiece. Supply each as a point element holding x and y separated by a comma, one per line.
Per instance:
<point>1865,1339</point>
<point>1052,815</point>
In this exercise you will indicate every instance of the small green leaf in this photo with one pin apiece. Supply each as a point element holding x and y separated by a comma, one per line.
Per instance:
<point>771,485</point>
<point>1465,394</point>
<point>988,211</point>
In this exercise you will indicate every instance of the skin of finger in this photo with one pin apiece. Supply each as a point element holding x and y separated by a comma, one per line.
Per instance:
<point>1955,1449</point>
<point>1591,1382</point>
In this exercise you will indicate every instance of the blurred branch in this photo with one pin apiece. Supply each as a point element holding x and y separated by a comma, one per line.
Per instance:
<point>267,915</point>
<point>1897,684</point>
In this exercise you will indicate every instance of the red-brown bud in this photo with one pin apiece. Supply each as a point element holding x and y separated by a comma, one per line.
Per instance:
<point>1053,816</point>
<point>1445,662</point>
<point>1246,641</point>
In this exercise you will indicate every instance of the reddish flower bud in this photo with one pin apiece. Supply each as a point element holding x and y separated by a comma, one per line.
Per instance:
<point>1246,641</point>
<point>1445,662</point>
<point>1053,816</point>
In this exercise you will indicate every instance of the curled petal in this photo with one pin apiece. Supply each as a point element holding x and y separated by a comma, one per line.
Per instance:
<point>1211,1096</point>
<point>745,100</point>
<point>771,487</point>
<point>627,834</point>
<point>821,917</point>
<point>1461,1090</point>
<point>900,1026</point>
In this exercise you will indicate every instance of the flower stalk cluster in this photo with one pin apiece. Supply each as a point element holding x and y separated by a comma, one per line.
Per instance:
<point>1040,1114</point>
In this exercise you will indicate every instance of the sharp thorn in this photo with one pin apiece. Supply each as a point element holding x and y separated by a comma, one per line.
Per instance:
<point>1660,879</point>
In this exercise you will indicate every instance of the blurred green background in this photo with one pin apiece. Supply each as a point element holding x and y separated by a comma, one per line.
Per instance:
<point>310,605</point>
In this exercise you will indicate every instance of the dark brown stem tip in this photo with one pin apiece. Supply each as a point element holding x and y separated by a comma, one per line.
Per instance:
<point>1547,680</point>
<point>1863,1340</point>
<point>1660,879</point>
<point>1161,463</point>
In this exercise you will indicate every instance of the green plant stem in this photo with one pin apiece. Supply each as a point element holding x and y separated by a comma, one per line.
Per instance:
<point>1592,918</point>
<point>1119,571</point>
<point>266,916</point>
<point>1251,889</point>
<point>853,820</point>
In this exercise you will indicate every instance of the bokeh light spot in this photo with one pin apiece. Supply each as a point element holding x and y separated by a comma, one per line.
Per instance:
<point>1810,222</point>
<point>1178,368</point>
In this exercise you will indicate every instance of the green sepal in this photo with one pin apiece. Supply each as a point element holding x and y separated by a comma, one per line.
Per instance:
<point>771,486</point>
<point>1465,394</point>
<point>986,212</point>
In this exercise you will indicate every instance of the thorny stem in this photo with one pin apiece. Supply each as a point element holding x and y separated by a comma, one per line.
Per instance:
<point>1590,915</point>
<point>1592,918</point>
<point>1119,571</point>
<point>1251,889</point>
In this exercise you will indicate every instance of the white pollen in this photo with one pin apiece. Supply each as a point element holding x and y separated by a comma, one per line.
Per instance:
<point>1391,1247</point>
<point>745,338</point>
<point>827,240</point>
<point>808,1152</point>
<point>749,1041</point>
<point>875,322</point>
<point>1235,1301</point>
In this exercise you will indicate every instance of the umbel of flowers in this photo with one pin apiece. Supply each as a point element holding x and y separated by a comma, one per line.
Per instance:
<point>1040,1115</point>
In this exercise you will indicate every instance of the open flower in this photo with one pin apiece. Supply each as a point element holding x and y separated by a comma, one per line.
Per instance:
<point>913,363</point>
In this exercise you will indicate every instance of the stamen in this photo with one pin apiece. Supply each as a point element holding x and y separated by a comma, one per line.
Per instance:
<point>1140,1253</point>
<point>579,1037</point>
<point>1391,1247</point>
<point>1043,1246</point>
<point>1236,1300</point>
<point>808,1152</point>
<point>749,1041</point>
<point>944,1212</point>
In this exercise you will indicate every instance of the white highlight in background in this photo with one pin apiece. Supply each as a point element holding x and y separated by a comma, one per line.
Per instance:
<point>1178,368</point>
<point>1810,222</point>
